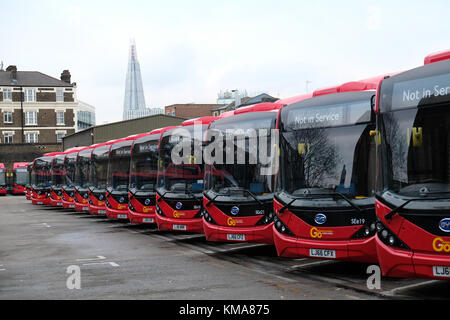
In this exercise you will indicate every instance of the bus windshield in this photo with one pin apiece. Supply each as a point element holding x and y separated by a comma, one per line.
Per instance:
<point>328,149</point>
<point>21,176</point>
<point>243,171</point>
<point>58,171</point>
<point>144,164</point>
<point>119,166</point>
<point>186,177</point>
<point>99,167</point>
<point>70,169</point>
<point>2,177</point>
<point>40,174</point>
<point>416,151</point>
<point>82,168</point>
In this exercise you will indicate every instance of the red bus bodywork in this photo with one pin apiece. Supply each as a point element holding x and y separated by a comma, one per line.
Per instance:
<point>117,200</point>
<point>219,223</point>
<point>97,192</point>
<point>28,186</point>
<point>68,190</point>
<point>413,241</point>
<point>82,193</point>
<point>18,188</point>
<point>179,212</point>
<point>297,237</point>
<point>40,194</point>
<point>142,203</point>
<point>3,189</point>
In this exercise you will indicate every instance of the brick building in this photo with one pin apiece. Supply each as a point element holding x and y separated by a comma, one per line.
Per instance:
<point>190,110</point>
<point>36,111</point>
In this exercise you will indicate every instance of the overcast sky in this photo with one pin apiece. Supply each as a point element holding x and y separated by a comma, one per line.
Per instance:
<point>190,50</point>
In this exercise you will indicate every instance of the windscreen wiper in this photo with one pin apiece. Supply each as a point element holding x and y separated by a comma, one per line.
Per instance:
<point>342,197</point>
<point>161,197</point>
<point>252,195</point>
<point>211,201</point>
<point>397,209</point>
<point>286,206</point>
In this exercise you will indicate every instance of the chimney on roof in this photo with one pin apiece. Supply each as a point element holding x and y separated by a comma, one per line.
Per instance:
<point>65,76</point>
<point>13,70</point>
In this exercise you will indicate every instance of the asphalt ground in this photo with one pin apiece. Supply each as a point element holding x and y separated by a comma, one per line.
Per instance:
<point>117,260</point>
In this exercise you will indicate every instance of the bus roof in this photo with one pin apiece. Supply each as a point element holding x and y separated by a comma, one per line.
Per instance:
<point>201,120</point>
<point>361,85</point>
<point>20,165</point>
<point>436,57</point>
<point>260,107</point>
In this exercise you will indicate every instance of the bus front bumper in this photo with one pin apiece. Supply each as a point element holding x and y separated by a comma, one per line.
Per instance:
<point>256,234</point>
<point>358,250</point>
<point>194,225</point>
<point>401,263</point>
<point>115,214</point>
<point>141,217</point>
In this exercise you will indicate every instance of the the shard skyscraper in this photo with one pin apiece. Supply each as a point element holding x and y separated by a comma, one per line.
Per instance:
<point>134,103</point>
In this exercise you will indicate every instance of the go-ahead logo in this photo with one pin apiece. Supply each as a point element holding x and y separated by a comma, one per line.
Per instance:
<point>444,225</point>
<point>440,245</point>
<point>178,214</point>
<point>232,222</point>
<point>316,233</point>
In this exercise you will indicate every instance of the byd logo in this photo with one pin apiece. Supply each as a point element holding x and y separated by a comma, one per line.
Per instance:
<point>440,245</point>
<point>316,233</point>
<point>444,225</point>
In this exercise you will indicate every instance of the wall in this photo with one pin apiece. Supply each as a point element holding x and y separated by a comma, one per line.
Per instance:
<point>10,153</point>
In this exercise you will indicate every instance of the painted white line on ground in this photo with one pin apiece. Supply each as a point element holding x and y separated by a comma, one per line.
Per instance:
<point>311,264</point>
<point>42,225</point>
<point>112,264</point>
<point>411,286</point>
<point>91,259</point>
<point>2,269</point>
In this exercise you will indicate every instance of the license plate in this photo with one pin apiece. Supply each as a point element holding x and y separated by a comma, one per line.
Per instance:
<point>101,211</point>
<point>148,220</point>
<point>122,216</point>
<point>85,208</point>
<point>40,202</point>
<point>321,253</point>
<point>59,204</point>
<point>441,271</point>
<point>179,227</point>
<point>236,237</point>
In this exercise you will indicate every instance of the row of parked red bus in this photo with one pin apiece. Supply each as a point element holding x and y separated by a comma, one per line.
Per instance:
<point>15,181</point>
<point>357,172</point>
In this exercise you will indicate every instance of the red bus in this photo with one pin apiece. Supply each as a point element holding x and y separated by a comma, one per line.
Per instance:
<point>20,177</point>
<point>180,184</point>
<point>413,189</point>
<point>82,179</point>
<point>238,196</point>
<point>3,186</point>
<point>28,185</point>
<point>98,174</point>
<point>143,176</point>
<point>324,201</point>
<point>41,179</point>
<point>68,187</point>
<point>57,179</point>
<point>118,178</point>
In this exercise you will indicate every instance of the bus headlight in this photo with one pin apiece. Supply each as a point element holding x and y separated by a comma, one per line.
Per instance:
<point>389,238</point>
